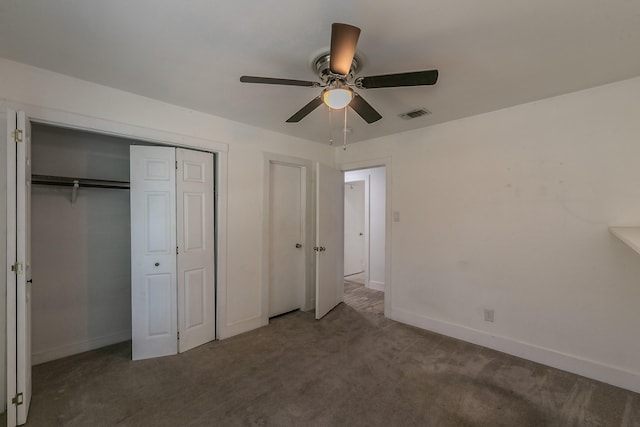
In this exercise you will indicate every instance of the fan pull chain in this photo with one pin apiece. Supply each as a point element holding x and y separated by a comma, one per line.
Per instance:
<point>330,126</point>
<point>344,131</point>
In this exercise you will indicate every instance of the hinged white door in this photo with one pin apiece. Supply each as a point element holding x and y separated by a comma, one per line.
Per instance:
<point>18,268</point>
<point>354,227</point>
<point>329,239</point>
<point>12,412</point>
<point>286,233</point>
<point>23,301</point>
<point>196,269</point>
<point>153,252</point>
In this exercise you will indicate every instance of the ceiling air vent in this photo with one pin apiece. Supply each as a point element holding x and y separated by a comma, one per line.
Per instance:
<point>415,113</point>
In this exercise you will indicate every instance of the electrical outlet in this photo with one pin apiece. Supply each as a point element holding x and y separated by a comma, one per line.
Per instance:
<point>488,315</point>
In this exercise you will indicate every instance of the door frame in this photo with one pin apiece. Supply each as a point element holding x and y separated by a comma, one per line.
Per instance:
<point>386,163</point>
<point>308,237</point>
<point>58,118</point>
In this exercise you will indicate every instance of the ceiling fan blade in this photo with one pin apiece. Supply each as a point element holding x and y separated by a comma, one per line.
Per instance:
<point>344,38</point>
<point>273,81</point>
<point>302,113</point>
<point>362,107</point>
<point>416,78</point>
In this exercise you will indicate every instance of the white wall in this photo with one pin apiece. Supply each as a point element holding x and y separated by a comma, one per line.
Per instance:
<point>81,257</point>
<point>376,198</point>
<point>40,92</point>
<point>509,211</point>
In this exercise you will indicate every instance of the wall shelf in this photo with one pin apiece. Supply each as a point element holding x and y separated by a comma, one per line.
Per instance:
<point>629,235</point>
<point>83,182</point>
<point>76,183</point>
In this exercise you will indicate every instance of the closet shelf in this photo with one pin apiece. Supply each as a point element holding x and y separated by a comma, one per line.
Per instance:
<point>629,235</point>
<point>75,182</point>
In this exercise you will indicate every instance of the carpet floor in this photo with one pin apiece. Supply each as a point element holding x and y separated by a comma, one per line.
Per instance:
<point>352,368</point>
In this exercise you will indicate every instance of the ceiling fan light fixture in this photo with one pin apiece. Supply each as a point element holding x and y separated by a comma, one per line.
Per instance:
<point>337,98</point>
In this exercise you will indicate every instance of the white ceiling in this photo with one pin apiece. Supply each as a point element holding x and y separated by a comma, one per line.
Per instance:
<point>491,54</point>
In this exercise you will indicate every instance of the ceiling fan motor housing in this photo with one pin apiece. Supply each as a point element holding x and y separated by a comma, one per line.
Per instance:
<point>321,67</point>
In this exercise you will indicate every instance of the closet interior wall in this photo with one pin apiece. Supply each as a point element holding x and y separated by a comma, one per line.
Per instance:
<point>81,250</point>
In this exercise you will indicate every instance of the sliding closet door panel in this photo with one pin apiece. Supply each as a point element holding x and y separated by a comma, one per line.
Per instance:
<point>153,257</point>
<point>196,272</point>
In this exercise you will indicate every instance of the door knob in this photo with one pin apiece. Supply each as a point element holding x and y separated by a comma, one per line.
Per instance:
<point>362,234</point>
<point>298,245</point>
<point>322,249</point>
<point>157,264</point>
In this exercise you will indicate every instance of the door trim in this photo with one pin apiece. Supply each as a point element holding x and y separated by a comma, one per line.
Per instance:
<point>386,163</point>
<point>307,238</point>
<point>53,117</point>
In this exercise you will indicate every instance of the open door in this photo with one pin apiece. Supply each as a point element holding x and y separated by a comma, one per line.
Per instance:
<point>329,239</point>
<point>196,267</point>
<point>18,268</point>
<point>154,325</point>
<point>23,291</point>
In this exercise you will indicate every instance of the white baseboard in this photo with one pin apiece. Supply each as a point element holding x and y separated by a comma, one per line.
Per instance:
<point>241,326</point>
<point>376,286</point>
<point>613,375</point>
<point>79,347</point>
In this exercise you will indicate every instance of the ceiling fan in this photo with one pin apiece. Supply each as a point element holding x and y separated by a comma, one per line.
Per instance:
<point>336,70</point>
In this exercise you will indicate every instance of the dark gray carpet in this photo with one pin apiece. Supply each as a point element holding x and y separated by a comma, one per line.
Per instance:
<point>353,368</point>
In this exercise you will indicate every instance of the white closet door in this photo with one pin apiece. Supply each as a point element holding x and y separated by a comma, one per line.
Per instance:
<point>12,413</point>
<point>196,272</point>
<point>153,252</point>
<point>23,301</point>
<point>329,239</point>
<point>18,268</point>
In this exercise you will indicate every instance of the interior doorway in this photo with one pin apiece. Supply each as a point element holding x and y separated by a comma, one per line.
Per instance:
<point>364,237</point>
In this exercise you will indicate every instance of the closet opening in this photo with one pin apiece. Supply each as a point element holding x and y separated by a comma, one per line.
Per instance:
<point>81,241</point>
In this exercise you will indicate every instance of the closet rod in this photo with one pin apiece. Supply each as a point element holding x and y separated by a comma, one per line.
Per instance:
<point>82,182</point>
